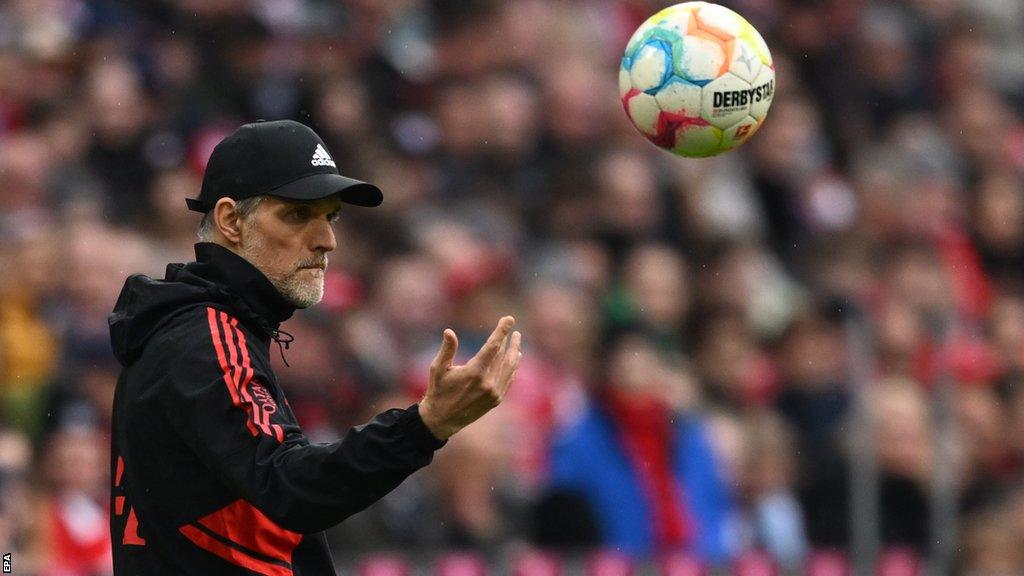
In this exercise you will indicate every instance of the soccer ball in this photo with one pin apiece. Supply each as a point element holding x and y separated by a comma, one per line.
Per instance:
<point>696,79</point>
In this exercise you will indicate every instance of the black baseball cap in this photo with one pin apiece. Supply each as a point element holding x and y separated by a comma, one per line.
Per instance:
<point>282,158</point>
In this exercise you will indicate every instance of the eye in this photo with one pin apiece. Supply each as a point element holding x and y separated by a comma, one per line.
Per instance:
<point>299,214</point>
<point>334,216</point>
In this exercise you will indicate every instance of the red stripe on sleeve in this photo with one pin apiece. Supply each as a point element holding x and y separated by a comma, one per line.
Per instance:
<point>261,416</point>
<point>231,326</point>
<point>253,408</point>
<point>229,379</point>
<point>246,365</point>
<point>232,356</point>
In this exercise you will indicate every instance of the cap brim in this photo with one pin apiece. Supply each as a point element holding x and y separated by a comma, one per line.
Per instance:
<point>196,205</point>
<point>317,186</point>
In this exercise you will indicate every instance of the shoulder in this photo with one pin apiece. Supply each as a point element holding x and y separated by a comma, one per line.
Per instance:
<point>587,427</point>
<point>197,333</point>
<point>694,442</point>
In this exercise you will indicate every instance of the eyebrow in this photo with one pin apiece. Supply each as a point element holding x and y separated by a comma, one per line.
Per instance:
<point>310,205</point>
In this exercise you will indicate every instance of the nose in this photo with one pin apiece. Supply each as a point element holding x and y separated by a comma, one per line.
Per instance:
<point>323,239</point>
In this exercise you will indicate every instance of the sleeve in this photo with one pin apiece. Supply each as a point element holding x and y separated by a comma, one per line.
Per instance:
<point>213,394</point>
<point>569,458</point>
<point>707,490</point>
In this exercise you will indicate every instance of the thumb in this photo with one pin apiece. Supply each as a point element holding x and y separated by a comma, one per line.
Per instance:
<point>449,345</point>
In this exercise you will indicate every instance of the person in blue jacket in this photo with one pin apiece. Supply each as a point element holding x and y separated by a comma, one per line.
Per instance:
<point>643,473</point>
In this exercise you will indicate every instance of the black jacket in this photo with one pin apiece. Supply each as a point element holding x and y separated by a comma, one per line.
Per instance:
<point>211,473</point>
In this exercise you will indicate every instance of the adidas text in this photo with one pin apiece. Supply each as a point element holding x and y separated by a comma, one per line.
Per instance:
<point>322,158</point>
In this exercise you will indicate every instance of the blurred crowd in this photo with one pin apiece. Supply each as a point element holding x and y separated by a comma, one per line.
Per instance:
<point>708,344</point>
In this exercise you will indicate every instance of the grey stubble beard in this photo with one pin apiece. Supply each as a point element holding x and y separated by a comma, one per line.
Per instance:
<point>298,293</point>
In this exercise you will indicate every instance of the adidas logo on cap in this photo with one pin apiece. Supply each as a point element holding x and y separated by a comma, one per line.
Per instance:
<point>322,158</point>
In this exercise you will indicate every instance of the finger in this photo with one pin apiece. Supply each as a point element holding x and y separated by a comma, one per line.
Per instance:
<point>510,364</point>
<point>445,356</point>
<point>504,385</point>
<point>496,367</point>
<point>513,345</point>
<point>493,345</point>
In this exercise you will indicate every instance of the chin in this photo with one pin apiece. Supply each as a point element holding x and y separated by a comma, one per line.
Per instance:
<point>301,305</point>
<point>306,300</point>
<point>303,296</point>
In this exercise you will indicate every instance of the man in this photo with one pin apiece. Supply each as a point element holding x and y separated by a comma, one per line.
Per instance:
<point>211,472</point>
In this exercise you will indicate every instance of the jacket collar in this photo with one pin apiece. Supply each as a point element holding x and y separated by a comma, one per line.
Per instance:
<point>239,277</point>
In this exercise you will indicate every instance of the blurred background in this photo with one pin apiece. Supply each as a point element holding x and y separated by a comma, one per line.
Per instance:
<point>804,356</point>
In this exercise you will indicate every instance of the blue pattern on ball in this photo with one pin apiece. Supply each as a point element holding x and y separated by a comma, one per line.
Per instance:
<point>666,53</point>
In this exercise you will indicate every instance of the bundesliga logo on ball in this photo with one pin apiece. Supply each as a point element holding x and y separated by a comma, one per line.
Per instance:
<point>697,79</point>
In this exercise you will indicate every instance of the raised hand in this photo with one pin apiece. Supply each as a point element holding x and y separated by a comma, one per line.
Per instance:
<point>458,395</point>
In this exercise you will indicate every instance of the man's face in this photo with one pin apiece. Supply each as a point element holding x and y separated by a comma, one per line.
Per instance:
<point>288,241</point>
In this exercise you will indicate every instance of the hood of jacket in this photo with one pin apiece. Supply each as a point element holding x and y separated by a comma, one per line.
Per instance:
<point>218,277</point>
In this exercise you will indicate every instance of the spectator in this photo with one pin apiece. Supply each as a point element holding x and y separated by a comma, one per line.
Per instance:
<point>74,535</point>
<point>903,444</point>
<point>814,396</point>
<point>17,521</point>
<point>772,518</point>
<point>646,471</point>
<point>654,294</point>
<point>991,545</point>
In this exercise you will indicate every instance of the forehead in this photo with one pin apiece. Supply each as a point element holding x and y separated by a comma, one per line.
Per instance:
<point>325,205</point>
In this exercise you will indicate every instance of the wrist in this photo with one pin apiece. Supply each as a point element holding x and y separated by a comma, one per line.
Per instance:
<point>435,425</point>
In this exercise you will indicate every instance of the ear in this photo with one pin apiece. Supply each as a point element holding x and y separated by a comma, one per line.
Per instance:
<point>226,221</point>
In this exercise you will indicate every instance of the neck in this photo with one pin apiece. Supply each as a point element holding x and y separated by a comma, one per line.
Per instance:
<point>245,281</point>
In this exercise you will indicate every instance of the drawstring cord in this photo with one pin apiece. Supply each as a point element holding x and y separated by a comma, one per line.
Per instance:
<point>282,343</point>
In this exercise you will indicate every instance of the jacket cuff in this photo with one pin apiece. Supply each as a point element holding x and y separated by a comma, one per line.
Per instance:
<point>418,432</point>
